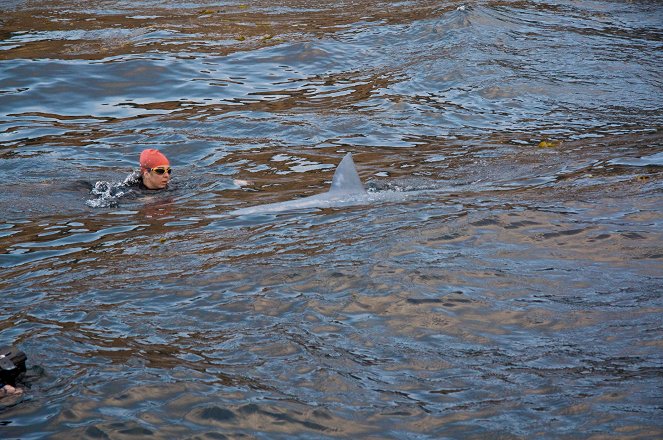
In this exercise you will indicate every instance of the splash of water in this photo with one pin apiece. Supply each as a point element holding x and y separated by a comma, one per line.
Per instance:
<point>106,194</point>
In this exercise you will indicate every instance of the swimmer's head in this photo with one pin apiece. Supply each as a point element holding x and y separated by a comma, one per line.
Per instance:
<point>154,168</point>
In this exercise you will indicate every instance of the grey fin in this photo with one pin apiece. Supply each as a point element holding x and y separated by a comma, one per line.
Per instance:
<point>346,180</point>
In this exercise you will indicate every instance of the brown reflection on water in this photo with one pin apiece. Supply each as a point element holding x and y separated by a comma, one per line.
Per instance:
<point>88,30</point>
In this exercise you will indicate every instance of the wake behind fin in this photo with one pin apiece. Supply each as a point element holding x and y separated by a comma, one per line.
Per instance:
<point>346,179</point>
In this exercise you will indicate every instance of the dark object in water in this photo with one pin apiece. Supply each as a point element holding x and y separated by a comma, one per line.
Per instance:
<point>12,364</point>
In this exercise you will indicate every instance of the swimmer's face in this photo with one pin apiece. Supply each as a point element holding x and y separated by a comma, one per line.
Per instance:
<point>157,177</point>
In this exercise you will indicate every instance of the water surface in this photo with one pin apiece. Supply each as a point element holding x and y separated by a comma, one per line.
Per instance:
<point>507,285</point>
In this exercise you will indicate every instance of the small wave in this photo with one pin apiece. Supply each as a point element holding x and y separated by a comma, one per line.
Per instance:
<point>644,161</point>
<point>400,185</point>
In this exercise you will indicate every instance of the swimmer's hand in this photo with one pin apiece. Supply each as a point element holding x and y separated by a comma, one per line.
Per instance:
<point>9,390</point>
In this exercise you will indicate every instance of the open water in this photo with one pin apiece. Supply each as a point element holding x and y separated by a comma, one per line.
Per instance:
<point>512,290</point>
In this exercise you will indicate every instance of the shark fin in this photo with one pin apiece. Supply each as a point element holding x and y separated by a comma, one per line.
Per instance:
<point>346,180</point>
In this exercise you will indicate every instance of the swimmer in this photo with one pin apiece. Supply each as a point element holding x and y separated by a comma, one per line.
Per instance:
<point>12,364</point>
<point>154,169</point>
<point>153,175</point>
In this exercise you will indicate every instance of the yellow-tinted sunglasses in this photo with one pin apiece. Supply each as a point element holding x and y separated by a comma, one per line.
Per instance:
<point>161,170</point>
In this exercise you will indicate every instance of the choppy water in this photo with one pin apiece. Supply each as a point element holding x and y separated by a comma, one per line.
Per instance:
<point>514,291</point>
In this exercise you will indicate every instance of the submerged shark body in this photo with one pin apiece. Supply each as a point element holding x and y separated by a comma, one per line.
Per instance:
<point>346,190</point>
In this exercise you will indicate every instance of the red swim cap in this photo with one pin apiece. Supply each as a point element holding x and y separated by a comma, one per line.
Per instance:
<point>151,158</point>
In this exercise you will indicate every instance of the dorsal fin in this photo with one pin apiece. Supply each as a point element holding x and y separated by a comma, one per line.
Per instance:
<point>346,180</point>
